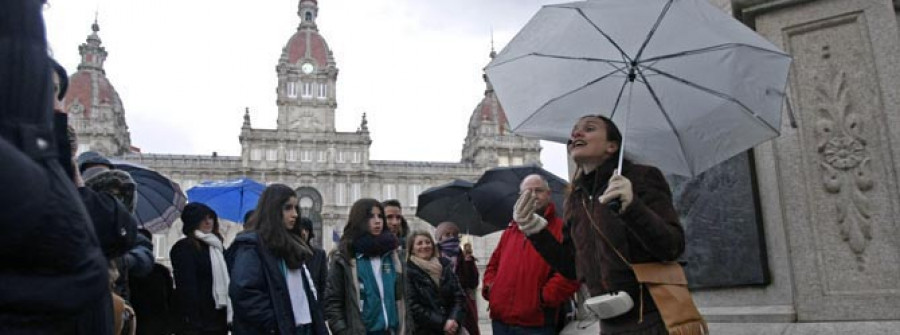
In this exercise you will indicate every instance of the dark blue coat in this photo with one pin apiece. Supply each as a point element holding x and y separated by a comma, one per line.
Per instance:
<point>259,292</point>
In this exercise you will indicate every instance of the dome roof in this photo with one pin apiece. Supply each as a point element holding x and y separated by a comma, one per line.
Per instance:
<point>89,87</point>
<point>307,43</point>
<point>490,112</point>
<point>82,96</point>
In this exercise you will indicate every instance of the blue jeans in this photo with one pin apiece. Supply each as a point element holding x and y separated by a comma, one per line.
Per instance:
<point>501,328</point>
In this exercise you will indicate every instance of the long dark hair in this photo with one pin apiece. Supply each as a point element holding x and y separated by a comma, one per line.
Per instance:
<point>268,221</point>
<point>358,223</point>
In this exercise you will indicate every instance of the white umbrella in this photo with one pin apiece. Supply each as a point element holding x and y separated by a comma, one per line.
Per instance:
<point>697,86</point>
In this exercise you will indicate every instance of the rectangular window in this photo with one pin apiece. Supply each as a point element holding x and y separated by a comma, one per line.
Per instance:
<point>340,157</point>
<point>340,194</point>
<point>306,156</point>
<point>323,156</point>
<point>390,192</point>
<point>517,161</point>
<point>271,155</point>
<point>255,154</point>
<point>502,161</point>
<point>307,90</point>
<point>292,155</point>
<point>323,90</point>
<point>292,89</point>
<point>414,191</point>
<point>356,191</point>
<point>357,157</point>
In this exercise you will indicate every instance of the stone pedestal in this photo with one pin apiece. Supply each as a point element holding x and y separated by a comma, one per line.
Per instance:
<point>829,187</point>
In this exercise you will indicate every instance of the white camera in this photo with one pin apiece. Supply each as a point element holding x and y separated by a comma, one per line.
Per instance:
<point>609,305</point>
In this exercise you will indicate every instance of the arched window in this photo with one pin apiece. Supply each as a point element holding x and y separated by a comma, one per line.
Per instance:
<point>308,17</point>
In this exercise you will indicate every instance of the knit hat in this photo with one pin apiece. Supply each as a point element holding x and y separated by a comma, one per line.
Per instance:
<point>92,158</point>
<point>192,214</point>
<point>116,182</point>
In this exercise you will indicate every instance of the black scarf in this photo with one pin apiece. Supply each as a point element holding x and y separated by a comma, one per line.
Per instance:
<point>594,183</point>
<point>371,245</point>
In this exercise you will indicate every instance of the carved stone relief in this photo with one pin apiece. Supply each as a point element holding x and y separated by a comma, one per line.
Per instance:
<point>845,177</point>
<point>845,159</point>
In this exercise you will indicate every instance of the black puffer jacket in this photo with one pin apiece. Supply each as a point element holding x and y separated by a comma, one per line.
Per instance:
<point>51,268</point>
<point>431,306</point>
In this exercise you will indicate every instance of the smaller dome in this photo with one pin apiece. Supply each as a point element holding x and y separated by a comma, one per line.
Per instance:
<point>81,94</point>
<point>490,111</point>
<point>307,43</point>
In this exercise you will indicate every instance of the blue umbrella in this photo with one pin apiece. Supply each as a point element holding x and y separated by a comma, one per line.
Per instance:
<point>231,199</point>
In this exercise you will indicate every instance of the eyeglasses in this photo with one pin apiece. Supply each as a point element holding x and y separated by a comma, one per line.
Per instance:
<point>394,216</point>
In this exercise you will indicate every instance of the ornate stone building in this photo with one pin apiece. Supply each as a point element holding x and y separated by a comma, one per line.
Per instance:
<point>329,168</point>
<point>95,110</point>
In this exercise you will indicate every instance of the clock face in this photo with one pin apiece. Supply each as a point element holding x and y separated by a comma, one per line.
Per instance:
<point>306,68</point>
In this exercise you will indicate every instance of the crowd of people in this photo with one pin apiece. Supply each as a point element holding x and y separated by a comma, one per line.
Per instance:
<point>74,261</point>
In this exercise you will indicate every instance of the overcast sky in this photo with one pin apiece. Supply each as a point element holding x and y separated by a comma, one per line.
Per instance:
<point>185,70</point>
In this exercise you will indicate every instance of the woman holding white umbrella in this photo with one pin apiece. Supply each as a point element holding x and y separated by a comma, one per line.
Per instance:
<point>602,241</point>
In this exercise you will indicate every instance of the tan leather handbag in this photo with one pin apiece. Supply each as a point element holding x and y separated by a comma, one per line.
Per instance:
<point>668,287</point>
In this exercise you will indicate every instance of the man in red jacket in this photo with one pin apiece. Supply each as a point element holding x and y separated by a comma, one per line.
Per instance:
<point>523,293</point>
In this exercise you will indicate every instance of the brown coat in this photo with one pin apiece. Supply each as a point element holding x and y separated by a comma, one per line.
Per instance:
<point>648,231</point>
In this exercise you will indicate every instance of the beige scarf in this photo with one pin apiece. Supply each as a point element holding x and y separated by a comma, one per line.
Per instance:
<point>432,267</point>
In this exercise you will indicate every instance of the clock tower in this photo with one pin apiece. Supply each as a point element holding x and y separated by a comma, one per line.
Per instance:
<point>306,77</point>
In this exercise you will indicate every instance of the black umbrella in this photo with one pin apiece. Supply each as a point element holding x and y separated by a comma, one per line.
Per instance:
<point>450,202</point>
<point>159,199</point>
<point>497,190</point>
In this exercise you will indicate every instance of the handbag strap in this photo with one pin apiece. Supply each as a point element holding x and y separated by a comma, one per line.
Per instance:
<point>602,235</point>
<point>608,242</point>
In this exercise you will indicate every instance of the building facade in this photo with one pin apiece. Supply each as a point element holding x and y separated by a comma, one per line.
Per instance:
<point>330,169</point>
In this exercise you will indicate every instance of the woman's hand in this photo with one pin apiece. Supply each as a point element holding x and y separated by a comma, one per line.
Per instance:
<point>619,187</point>
<point>451,327</point>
